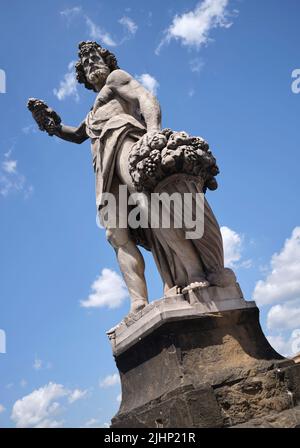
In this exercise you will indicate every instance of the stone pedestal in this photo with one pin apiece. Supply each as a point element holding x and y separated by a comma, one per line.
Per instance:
<point>199,359</point>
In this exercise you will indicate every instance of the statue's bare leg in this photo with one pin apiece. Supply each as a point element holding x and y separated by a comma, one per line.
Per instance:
<point>132,266</point>
<point>129,257</point>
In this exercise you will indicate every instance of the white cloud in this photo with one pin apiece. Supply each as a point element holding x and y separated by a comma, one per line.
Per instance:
<point>193,28</point>
<point>129,24</point>
<point>119,398</point>
<point>149,82</point>
<point>286,346</point>
<point>68,85</point>
<point>232,243</point>
<point>9,166</point>
<point>283,282</point>
<point>11,180</point>
<point>285,316</point>
<point>191,92</point>
<point>95,31</point>
<point>70,13</point>
<point>281,289</point>
<point>107,290</point>
<point>98,33</point>
<point>110,380</point>
<point>77,394</point>
<point>2,408</point>
<point>40,408</point>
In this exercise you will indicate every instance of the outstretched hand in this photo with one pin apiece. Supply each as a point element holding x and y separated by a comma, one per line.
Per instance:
<point>46,118</point>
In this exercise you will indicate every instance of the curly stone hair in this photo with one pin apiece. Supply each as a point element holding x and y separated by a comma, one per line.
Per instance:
<point>84,48</point>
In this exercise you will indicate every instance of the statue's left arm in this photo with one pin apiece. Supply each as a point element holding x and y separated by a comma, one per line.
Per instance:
<point>122,84</point>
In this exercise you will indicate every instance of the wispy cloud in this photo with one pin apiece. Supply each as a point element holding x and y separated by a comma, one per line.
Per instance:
<point>70,13</point>
<point>11,180</point>
<point>128,24</point>
<point>193,28</point>
<point>9,166</point>
<point>149,82</point>
<point>31,128</point>
<point>98,33</point>
<point>76,395</point>
<point>39,364</point>
<point>196,65</point>
<point>68,85</point>
<point>110,380</point>
<point>2,408</point>
<point>107,290</point>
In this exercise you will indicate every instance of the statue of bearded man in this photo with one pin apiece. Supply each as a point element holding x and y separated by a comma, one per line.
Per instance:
<point>122,113</point>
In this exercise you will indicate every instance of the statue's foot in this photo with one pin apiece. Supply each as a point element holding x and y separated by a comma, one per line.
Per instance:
<point>138,305</point>
<point>199,284</point>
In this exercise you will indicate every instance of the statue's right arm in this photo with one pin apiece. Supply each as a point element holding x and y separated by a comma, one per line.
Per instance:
<point>48,120</point>
<point>72,134</point>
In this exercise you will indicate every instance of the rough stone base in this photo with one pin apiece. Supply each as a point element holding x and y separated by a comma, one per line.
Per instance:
<point>263,400</point>
<point>205,370</point>
<point>290,418</point>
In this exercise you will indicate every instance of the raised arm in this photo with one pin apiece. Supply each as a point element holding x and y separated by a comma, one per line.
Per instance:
<point>48,120</point>
<point>124,85</point>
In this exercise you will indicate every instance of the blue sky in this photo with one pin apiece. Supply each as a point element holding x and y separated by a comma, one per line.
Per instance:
<point>221,69</point>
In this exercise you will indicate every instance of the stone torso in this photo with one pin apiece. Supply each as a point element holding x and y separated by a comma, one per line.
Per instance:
<point>102,113</point>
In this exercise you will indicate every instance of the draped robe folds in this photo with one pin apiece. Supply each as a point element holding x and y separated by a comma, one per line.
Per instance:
<point>107,137</point>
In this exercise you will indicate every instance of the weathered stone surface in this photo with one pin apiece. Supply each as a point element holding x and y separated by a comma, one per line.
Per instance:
<point>255,396</point>
<point>186,407</point>
<point>217,370</point>
<point>290,418</point>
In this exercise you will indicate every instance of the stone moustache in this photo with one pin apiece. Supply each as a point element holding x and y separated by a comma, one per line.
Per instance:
<point>157,156</point>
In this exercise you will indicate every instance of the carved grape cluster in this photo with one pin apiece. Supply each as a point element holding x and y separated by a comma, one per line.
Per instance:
<point>158,155</point>
<point>46,118</point>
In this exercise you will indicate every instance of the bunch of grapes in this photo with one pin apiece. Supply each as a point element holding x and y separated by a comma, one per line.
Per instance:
<point>150,167</point>
<point>200,144</point>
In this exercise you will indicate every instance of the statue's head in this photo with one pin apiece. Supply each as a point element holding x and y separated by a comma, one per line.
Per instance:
<point>94,65</point>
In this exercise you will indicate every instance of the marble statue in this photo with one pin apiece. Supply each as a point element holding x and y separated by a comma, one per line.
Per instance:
<point>130,148</point>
